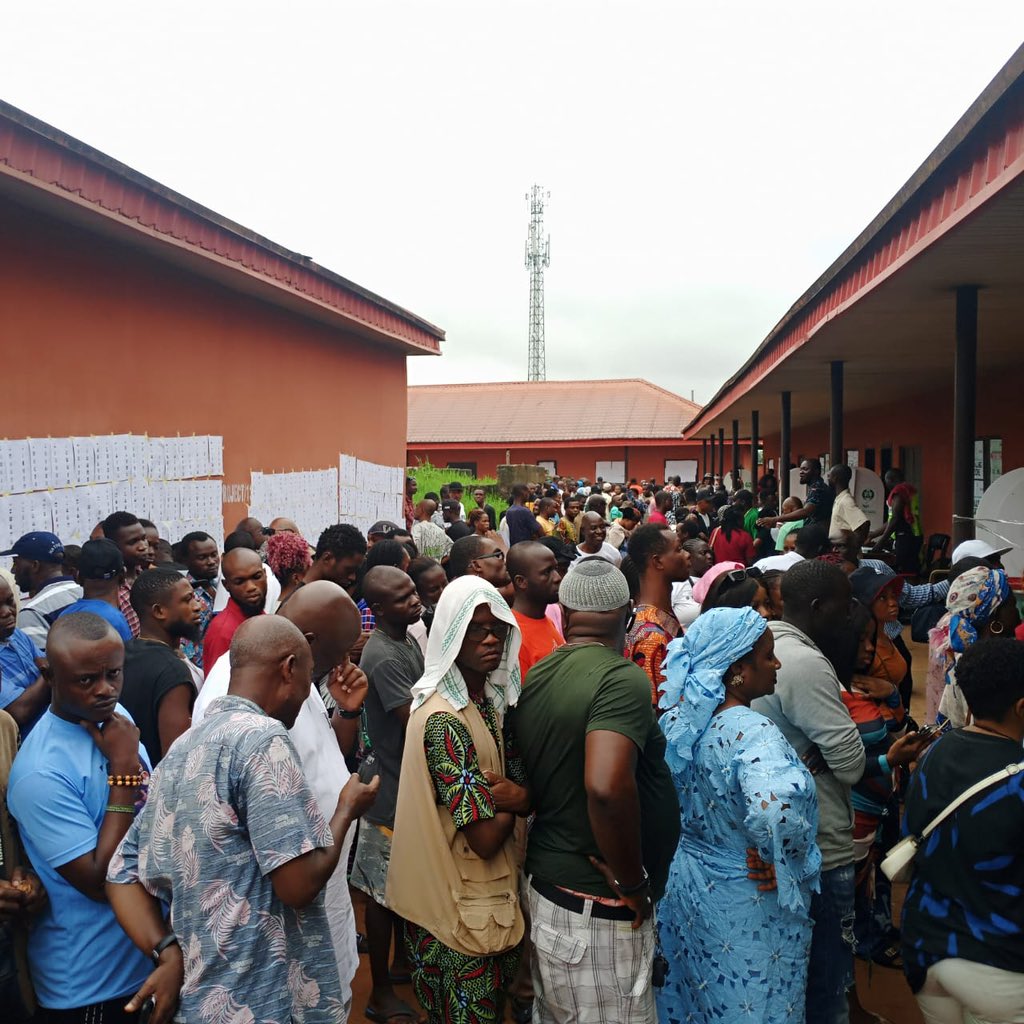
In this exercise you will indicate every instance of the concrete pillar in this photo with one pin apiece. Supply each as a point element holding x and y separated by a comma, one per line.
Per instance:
<point>735,451</point>
<point>785,444</point>
<point>965,396</point>
<point>755,434</point>
<point>836,451</point>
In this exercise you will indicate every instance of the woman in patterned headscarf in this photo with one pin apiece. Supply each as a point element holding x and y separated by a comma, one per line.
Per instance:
<point>979,604</point>
<point>737,949</point>
<point>453,873</point>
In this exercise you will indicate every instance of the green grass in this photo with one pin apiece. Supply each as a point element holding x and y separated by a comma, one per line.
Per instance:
<point>430,478</point>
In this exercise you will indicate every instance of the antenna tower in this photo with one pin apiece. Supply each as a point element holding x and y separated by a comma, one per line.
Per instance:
<point>538,257</point>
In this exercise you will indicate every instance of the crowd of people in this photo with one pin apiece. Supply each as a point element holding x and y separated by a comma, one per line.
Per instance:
<point>620,752</point>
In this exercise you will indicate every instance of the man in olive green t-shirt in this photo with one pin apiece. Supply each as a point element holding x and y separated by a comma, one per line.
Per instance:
<point>607,818</point>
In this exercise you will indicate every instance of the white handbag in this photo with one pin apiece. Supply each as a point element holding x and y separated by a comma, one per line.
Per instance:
<point>899,861</point>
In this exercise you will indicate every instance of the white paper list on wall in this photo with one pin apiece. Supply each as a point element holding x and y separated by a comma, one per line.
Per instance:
<point>309,497</point>
<point>369,492</point>
<point>66,485</point>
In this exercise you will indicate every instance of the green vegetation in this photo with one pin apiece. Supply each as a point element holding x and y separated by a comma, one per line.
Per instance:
<point>430,478</point>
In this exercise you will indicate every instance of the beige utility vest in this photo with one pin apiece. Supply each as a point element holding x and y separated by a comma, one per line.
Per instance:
<point>434,878</point>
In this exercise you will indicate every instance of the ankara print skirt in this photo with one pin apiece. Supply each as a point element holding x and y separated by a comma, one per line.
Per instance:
<point>454,988</point>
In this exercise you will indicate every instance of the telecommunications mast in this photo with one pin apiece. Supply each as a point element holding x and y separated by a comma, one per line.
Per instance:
<point>538,257</point>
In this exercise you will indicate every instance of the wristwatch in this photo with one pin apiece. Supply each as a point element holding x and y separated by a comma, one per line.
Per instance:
<point>350,714</point>
<point>632,890</point>
<point>167,940</point>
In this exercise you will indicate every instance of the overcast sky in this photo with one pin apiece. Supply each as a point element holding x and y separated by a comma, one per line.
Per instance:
<point>706,162</point>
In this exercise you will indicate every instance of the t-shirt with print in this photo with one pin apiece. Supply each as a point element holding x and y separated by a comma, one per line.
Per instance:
<point>392,668</point>
<point>58,794</point>
<point>151,671</point>
<point>228,805</point>
<point>964,900</point>
<point>575,691</point>
<point>821,496</point>
<point>539,638</point>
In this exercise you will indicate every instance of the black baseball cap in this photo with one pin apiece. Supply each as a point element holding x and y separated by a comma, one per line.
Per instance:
<point>384,529</point>
<point>99,560</point>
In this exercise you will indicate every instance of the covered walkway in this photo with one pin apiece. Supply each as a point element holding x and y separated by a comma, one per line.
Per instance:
<point>907,350</point>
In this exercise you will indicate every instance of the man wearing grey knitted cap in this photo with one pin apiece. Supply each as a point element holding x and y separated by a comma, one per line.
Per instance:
<point>607,820</point>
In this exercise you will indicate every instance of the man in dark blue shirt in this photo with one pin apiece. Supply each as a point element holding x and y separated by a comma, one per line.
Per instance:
<point>522,523</point>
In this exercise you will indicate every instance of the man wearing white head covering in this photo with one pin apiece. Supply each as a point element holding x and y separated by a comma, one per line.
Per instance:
<point>606,825</point>
<point>453,874</point>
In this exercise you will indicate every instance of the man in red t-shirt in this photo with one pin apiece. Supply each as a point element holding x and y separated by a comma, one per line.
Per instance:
<point>245,579</point>
<point>535,577</point>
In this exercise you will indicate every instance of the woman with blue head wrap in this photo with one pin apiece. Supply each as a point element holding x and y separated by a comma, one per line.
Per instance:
<point>738,949</point>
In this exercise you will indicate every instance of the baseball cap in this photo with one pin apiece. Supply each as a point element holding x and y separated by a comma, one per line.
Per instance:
<point>594,585</point>
<point>99,560</point>
<point>38,546</point>
<point>448,505</point>
<point>978,549</point>
<point>382,528</point>
<point>705,494</point>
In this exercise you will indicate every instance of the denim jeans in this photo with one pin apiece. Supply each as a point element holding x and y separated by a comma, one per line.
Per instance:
<point>830,970</point>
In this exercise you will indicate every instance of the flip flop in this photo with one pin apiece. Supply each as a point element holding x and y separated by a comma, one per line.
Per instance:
<point>382,1018</point>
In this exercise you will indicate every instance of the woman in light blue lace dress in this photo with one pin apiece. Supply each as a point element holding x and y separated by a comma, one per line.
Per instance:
<point>735,921</point>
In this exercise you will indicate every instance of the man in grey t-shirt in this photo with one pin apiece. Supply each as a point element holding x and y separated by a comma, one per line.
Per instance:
<point>393,662</point>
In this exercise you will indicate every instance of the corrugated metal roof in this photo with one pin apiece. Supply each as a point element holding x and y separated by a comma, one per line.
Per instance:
<point>545,411</point>
<point>40,154</point>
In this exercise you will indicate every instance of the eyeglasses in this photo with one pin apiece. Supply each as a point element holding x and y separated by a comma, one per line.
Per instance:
<point>493,554</point>
<point>499,630</point>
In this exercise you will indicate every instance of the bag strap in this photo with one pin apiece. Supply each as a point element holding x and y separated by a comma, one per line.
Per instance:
<point>989,780</point>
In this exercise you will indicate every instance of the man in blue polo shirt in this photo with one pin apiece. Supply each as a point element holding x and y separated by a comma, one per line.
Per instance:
<point>24,692</point>
<point>74,788</point>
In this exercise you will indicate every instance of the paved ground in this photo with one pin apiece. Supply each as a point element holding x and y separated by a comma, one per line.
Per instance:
<point>881,990</point>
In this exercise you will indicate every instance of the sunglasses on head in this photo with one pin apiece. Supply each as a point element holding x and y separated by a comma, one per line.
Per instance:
<point>739,575</point>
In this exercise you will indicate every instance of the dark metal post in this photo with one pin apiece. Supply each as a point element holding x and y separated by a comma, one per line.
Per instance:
<point>755,431</point>
<point>721,454</point>
<point>785,443</point>
<point>735,451</point>
<point>965,373</point>
<point>836,415</point>
<point>703,458</point>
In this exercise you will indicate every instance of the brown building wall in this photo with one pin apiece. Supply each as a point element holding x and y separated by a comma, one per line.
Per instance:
<point>101,338</point>
<point>642,461</point>
<point>924,422</point>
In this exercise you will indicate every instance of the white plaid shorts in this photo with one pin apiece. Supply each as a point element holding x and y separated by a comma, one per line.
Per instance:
<point>589,970</point>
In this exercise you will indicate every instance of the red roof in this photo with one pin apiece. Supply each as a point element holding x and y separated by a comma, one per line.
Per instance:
<point>43,166</point>
<point>549,410</point>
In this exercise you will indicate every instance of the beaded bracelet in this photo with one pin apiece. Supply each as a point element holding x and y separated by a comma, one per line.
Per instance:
<point>121,808</point>
<point>130,781</point>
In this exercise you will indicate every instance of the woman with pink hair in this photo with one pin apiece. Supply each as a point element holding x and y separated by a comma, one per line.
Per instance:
<point>288,558</point>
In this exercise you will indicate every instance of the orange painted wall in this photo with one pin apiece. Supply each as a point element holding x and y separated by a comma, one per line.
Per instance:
<point>100,338</point>
<point>925,421</point>
<point>642,461</point>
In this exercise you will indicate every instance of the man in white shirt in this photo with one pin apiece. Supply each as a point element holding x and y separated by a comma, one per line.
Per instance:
<point>593,530</point>
<point>847,517</point>
<point>329,619</point>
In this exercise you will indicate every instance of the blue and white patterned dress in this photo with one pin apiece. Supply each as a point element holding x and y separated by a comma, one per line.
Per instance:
<point>737,954</point>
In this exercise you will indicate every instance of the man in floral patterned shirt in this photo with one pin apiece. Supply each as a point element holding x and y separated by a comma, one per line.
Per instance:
<point>232,839</point>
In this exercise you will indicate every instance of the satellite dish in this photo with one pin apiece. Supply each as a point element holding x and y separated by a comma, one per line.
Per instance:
<point>1004,500</point>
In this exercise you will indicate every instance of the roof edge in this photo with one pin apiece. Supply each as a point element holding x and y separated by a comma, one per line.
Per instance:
<point>1007,76</point>
<point>61,139</point>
